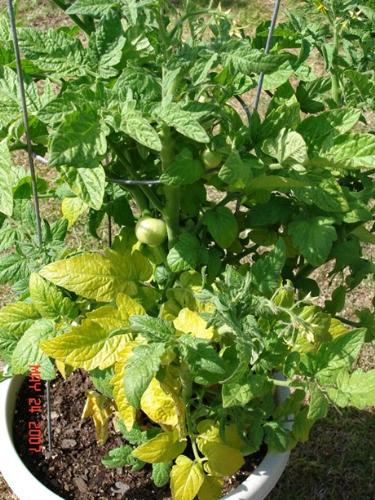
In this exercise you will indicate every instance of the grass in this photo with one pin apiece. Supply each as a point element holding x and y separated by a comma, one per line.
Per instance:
<point>338,460</point>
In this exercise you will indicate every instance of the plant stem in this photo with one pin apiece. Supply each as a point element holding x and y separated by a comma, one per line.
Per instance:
<point>336,93</point>
<point>348,322</point>
<point>84,27</point>
<point>191,435</point>
<point>280,383</point>
<point>172,194</point>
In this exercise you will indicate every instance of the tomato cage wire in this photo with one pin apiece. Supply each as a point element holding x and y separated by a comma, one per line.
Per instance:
<point>125,182</point>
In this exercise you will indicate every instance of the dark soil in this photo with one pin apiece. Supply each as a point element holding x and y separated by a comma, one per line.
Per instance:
<point>74,469</point>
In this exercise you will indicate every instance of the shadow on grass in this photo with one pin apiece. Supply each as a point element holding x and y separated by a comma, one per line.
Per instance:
<point>336,463</point>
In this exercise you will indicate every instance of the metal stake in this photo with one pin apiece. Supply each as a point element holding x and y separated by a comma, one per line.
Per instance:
<point>267,50</point>
<point>12,20</point>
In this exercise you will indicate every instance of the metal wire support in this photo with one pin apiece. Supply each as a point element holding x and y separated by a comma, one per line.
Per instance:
<point>21,82</point>
<point>275,15</point>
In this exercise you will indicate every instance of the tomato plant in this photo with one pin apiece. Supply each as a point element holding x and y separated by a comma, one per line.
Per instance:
<point>222,218</point>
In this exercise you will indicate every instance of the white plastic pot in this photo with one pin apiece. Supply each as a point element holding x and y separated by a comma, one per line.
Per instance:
<point>27,487</point>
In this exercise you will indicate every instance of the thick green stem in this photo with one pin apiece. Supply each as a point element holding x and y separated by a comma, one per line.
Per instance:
<point>171,211</point>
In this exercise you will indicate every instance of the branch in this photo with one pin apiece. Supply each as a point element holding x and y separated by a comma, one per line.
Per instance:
<point>78,21</point>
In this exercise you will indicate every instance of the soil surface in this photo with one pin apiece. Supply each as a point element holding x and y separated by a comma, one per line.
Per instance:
<point>74,469</point>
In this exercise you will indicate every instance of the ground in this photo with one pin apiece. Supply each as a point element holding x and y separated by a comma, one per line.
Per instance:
<point>338,460</point>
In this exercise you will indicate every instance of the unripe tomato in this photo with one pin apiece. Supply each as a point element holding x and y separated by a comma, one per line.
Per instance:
<point>211,159</point>
<point>152,232</point>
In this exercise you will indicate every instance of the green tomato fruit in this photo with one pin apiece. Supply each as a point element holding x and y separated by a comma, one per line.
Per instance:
<point>152,232</point>
<point>211,159</point>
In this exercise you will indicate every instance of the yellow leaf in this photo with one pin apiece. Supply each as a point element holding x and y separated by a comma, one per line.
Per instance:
<point>64,369</point>
<point>107,317</point>
<point>72,209</point>
<point>128,307</point>
<point>222,459</point>
<point>337,328</point>
<point>162,405</point>
<point>187,478</point>
<point>90,275</point>
<point>190,322</point>
<point>126,411</point>
<point>86,346</point>
<point>130,266</point>
<point>211,488</point>
<point>98,407</point>
<point>165,447</point>
<point>232,437</point>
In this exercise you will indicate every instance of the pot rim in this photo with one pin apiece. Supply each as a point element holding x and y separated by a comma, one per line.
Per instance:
<point>256,487</point>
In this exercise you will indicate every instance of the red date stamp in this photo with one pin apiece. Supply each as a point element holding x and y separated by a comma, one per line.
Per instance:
<point>35,406</point>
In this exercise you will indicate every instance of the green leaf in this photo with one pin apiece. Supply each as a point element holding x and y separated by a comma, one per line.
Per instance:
<point>205,365</point>
<point>235,172</point>
<point>340,353</point>
<point>18,317</point>
<point>247,60</point>
<point>28,352</point>
<point>8,342</point>
<point>91,7</point>
<point>55,51</point>
<point>277,78</point>
<point>328,196</point>
<point>106,44</point>
<point>184,122</point>
<point>88,184</point>
<point>318,404</point>
<point>184,170</point>
<point>8,237</point>
<point>276,437</point>
<point>247,387</point>
<point>313,238</point>
<point>356,389</point>
<point>287,115</point>
<point>353,151</point>
<point>140,369</point>
<point>79,141</point>
<point>118,457</point>
<point>277,210</point>
<point>6,181</point>
<point>102,380</point>
<point>13,268</point>
<point>301,426</point>
<point>154,329</point>
<point>289,148</point>
<point>222,225</point>
<point>266,272</point>
<point>138,128</point>
<point>323,128</point>
<point>185,254</point>
<point>337,303</point>
<point>161,473</point>
<point>49,301</point>
<point>187,478</point>
<point>9,103</point>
